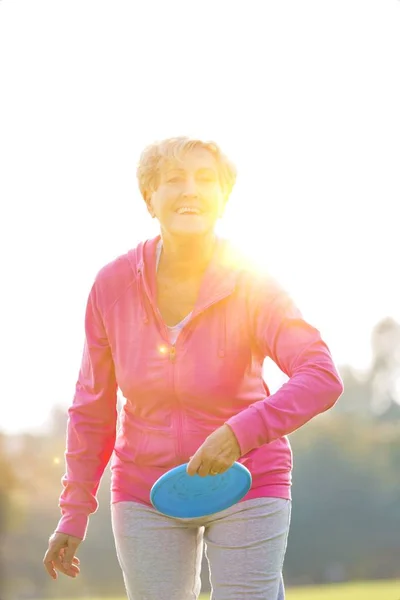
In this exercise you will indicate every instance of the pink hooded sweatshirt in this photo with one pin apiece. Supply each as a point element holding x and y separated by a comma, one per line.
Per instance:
<point>177,395</point>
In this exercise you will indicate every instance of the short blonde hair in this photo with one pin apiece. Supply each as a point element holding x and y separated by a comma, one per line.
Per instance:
<point>156,155</point>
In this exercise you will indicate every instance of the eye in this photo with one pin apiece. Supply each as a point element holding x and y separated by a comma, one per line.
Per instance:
<point>207,176</point>
<point>174,179</point>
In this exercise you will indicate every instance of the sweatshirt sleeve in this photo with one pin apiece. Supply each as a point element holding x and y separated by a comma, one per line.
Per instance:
<point>91,429</point>
<point>314,383</point>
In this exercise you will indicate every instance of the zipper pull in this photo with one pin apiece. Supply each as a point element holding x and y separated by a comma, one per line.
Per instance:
<point>172,353</point>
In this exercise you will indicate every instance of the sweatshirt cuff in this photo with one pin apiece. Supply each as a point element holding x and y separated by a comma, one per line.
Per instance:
<point>75,525</point>
<point>249,429</point>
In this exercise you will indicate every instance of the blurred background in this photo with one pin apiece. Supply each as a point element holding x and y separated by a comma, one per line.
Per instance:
<point>304,97</point>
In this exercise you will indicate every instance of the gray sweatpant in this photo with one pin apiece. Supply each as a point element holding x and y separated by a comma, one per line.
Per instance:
<point>245,545</point>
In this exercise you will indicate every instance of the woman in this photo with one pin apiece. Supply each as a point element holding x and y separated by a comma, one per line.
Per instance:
<point>182,327</point>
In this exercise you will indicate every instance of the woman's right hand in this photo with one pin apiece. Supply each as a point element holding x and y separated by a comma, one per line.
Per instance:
<point>60,555</point>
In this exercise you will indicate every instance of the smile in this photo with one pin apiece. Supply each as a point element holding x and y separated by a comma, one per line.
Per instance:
<point>188,210</point>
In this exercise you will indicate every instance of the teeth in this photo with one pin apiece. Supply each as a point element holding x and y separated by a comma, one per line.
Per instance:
<point>188,209</point>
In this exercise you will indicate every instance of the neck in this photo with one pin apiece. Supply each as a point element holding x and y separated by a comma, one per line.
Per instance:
<point>183,257</point>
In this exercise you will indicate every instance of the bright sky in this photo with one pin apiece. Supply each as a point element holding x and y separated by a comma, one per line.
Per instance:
<point>303,96</point>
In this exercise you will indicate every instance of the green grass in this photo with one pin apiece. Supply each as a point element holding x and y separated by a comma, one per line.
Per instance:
<point>376,590</point>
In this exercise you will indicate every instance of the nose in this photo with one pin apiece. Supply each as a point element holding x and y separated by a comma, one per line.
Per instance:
<point>190,189</point>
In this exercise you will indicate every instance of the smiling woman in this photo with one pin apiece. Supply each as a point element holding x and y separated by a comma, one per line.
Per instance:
<point>181,177</point>
<point>183,330</point>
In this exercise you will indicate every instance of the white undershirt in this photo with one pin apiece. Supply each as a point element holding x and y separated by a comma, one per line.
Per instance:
<point>174,330</point>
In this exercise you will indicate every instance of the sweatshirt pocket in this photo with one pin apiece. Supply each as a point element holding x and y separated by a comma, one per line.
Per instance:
<point>148,446</point>
<point>192,440</point>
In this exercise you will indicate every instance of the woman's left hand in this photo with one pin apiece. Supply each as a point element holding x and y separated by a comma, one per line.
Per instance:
<point>217,453</point>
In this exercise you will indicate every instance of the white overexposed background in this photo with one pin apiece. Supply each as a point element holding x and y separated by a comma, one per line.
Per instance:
<point>303,96</point>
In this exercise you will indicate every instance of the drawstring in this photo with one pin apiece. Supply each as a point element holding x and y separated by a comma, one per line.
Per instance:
<point>140,293</point>
<point>222,332</point>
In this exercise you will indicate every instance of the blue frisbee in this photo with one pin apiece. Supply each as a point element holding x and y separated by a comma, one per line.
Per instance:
<point>177,494</point>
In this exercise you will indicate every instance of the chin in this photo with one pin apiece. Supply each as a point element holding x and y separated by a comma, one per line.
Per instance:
<point>194,232</point>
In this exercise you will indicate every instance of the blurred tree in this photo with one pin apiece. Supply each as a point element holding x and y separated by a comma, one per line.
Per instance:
<point>8,483</point>
<point>375,392</point>
<point>58,421</point>
<point>384,376</point>
<point>356,396</point>
<point>346,498</point>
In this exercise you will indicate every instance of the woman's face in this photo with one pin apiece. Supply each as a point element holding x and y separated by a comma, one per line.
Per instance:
<point>189,198</point>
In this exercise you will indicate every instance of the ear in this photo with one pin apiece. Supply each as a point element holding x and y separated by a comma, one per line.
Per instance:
<point>147,199</point>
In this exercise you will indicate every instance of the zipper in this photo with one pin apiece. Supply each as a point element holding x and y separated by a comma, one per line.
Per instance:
<point>162,326</point>
<point>172,354</point>
<point>172,358</point>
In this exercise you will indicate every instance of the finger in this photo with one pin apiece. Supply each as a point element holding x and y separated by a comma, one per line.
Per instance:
<point>214,471</point>
<point>64,566</point>
<point>227,464</point>
<point>74,570</point>
<point>49,566</point>
<point>69,571</point>
<point>49,558</point>
<point>75,564</point>
<point>194,464</point>
<point>67,568</point>
<point>69,555</point>
<point>222,470</point>
<point>222,467</point>
<point>204,468</point>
